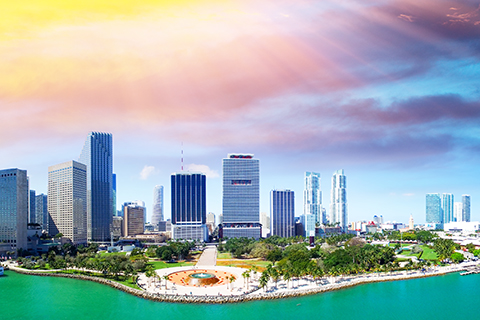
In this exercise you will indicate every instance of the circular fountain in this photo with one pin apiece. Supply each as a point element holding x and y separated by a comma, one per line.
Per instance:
<point>202,279</point>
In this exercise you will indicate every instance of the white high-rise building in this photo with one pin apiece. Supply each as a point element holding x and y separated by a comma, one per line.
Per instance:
<point>157,212</point>
<point>241,196</point>
<point>338,202</point>
<point>447,207</point>
<point>312,196</point>
<point>458,212</point>
<point>67,201</point>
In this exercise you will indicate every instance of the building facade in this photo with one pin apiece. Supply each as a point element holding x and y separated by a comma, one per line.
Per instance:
<point>448,207</point>
<point>157,212</point>
<point>133,220</point>
<point>434,214</point>
<point>189,206</point>
<point>31,207</point>
<point>312,196</point>
<point>97,155</point>
<point>67,201</point>
<point>241,196</point>
<point>41,210</point>
<point>338,203</point>
<point>282,213</point>
<point>14,208</point>
<point>466,207</point>
<point>458,212</point>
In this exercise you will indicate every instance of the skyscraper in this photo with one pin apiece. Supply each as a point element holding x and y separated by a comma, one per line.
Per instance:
<point>157,212</point>
<point>457,211</point>
<point>338,203</point>
<point>282,213</point>
<point>189,206</point>
<point>31,207</point>
<point>133,219</point>
<point>447,207</point>
<point>466,207</point>
<point>312,196</point>
<point>97,155</point>
<point>41,208</point>
<point>14,208</point>
<point>241,196</point>
<point>67,201</point>
<point>434,212</point>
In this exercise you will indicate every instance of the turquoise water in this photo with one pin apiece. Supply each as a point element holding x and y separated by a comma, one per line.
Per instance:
<point>451,296</point>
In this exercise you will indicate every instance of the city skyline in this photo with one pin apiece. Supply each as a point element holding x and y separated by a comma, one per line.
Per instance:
<point>387,91</point>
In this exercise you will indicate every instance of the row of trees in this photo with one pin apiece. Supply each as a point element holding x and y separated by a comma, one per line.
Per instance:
<point>173,249</point>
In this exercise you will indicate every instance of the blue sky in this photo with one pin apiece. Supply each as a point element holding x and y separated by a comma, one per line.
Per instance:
<point>387,90</point>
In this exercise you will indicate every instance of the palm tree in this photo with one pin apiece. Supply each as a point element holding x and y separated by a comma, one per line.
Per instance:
<point>263,281</point>
<point>246,276</point>
<point>275,275</point>
<point>232,280</point>
<point>165,277</point>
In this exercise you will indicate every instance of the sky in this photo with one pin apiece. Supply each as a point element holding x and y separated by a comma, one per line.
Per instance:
<point>388,90</point>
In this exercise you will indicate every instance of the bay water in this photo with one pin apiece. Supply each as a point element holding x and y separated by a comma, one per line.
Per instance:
<point>444,297</point>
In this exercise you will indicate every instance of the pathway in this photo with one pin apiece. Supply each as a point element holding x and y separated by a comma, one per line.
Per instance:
<point>208,257</point>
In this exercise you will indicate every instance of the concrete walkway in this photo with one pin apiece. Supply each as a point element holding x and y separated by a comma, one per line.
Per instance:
<point>208,257</point>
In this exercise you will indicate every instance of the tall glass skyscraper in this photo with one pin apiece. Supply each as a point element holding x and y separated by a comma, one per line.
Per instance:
<point>31,207</point>
<point>312,196</point>
<point>282,213</point>
<point>466,207</point>
<point>241,196</point>
<point>338,203</point>
<point>447,207</point>
<point>14,208</point>
<point>97,155</point>
<point>41,208</point>
<point>434,212</point>
<point>189,206</point>
<point>67,201</point>
<point>157,212</point>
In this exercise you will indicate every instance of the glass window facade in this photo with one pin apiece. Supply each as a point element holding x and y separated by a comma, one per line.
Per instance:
<point>97,155</point>
<point>282,213</point>
<point>434,212</point>
<point>338,203</point>
<point>14,196</point>
<point>241,196</point>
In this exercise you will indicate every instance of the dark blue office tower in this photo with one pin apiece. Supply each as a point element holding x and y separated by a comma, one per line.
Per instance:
<point>97,155</point>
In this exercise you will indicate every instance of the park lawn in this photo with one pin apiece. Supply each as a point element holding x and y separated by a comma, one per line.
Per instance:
<point>163,264</point>
<point>244,263</point>
<point>428,253</point>
<point>224,255</point>
<point>105,253</point>
<point>128,283</point>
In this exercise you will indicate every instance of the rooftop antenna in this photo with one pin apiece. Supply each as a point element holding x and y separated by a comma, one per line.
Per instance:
<point>182,157</point>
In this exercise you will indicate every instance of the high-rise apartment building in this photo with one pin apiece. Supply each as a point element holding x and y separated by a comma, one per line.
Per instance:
<point>157,212</point>
<point>211,219</point>
<point>97,155</point>
<point>466,207</point>
<point>312,196</point>
<point>447,207</point>
<point>14,208</point>
<point>458,212</point>
<point>133,219</point>
<point>282,213</point>
<point>241,196</point>
<point>189,206</point>
<point>67,201</point>
<point>41,210</point>
<point>434,213</point>
<point>338,203</point>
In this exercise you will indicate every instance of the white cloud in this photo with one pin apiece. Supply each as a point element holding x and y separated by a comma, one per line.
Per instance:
<point>409,194</point>
<point>147,171</point>
<point>203,169</point>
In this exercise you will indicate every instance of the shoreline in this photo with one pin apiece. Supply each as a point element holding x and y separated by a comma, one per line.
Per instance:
<point>336,283</point>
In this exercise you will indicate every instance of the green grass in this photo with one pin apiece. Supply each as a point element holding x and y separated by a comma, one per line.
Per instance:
<point>224,255</point>
<point>163,264</point>
<point>103,254</point>
<point>428,254</point>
